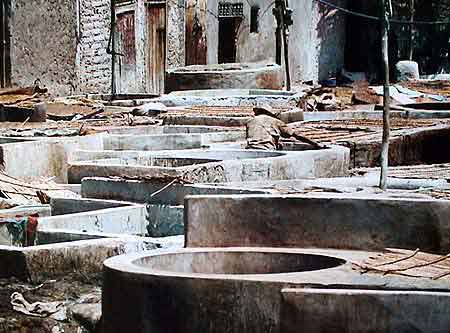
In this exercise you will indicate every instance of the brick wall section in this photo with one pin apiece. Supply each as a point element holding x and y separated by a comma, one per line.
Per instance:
<point>93,63</point>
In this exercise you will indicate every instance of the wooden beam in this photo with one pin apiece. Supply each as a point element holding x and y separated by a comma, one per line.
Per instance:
<point>385,14</point>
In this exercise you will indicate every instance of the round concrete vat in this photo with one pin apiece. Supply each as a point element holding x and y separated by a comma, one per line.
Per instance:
<point>203,290</point>
<point>225,76</point>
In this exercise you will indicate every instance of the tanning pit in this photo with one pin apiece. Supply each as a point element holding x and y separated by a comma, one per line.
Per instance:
<point>225,76</point>
<point>192,286</point>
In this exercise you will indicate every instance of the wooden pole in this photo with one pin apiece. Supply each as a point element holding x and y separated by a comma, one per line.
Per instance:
<point>278,42</point>
<point>286,48</point>
<point>113,49</point>
<point>385,13</point>
<point>411,30</point>
<point>278,32</point>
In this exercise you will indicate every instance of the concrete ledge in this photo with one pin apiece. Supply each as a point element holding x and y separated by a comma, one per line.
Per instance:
<point>122,220</point>
<point>206,120</point>
<point>159,130</point>
<point>63,206</point>
<point>50,157</point>
<point>364,311</point>
<point>42,210</point>
<point>169,141</point>
<point>360,114</point>
<point>330,162</point>
<point>309,221</point>
<point>132,190</point>
<point>52,236</point>
<point>141,191</point>
<point>39,263</point>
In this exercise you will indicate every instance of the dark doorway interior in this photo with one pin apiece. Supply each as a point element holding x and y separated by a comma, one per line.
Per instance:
<point>363,40</point>
<point>5,44</point>
<point>228,27</point>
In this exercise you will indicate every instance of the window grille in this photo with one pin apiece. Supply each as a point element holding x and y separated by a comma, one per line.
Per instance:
<point>227,9</point>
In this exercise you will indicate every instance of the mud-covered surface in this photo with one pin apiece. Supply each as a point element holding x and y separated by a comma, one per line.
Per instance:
<point>72,290</point>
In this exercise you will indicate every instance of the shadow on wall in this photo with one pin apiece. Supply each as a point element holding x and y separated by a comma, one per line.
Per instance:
<point>331,33</point>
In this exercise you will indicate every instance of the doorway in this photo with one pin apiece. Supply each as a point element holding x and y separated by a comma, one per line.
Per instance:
<point>126,46</point>
<point>228,28</point>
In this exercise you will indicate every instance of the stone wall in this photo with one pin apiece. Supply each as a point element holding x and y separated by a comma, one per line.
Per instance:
<point>43,44</point>
<point>93,63</point>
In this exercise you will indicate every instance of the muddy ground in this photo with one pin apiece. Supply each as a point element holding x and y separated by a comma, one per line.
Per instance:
<point>72,289</point>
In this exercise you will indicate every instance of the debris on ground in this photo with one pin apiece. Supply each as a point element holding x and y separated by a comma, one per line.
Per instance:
<point>73,109</point>
<point>351,96</point>
<point>33,307</point>
<point>149,109</point>
<point>362,94</point>
<point>23,193</point>
<point>339,98</point>
<point>24,97</point>
<point>438,87</point>
<point>407,263</point>
<point>55,310</point>
<point>88,315</point>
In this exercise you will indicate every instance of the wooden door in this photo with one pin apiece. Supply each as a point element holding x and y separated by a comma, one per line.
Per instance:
<point>156,30</point>
<point>5,44</point>
<point>126,47</point>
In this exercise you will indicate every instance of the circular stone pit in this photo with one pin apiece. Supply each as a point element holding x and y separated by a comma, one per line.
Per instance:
<point>203,290</point>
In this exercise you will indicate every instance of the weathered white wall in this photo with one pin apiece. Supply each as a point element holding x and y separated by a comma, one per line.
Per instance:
<point>61,42</point>
<point>43,43</point>
<point>317,38</point>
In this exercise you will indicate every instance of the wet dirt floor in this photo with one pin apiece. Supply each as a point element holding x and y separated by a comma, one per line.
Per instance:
<point>72,289</point>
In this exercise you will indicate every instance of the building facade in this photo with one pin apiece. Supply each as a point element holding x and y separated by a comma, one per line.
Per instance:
<point>65,43</point>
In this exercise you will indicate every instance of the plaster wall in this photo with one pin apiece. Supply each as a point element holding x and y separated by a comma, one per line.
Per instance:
<point>62,43</point>
<point>44,44</point>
